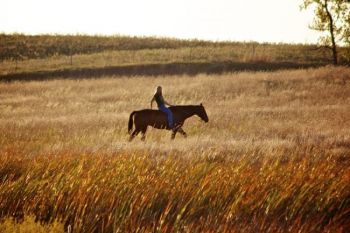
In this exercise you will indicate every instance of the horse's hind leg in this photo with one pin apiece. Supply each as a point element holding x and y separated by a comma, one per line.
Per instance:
<point>143,132</point>
<point>134,134</point>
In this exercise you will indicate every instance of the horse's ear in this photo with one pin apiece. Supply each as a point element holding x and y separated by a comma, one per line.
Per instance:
<point>201,104</point>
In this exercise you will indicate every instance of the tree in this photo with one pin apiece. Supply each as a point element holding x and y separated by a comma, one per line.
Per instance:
<point>332,17</point>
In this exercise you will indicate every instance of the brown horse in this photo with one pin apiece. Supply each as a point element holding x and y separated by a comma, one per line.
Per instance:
<point>158,119</point>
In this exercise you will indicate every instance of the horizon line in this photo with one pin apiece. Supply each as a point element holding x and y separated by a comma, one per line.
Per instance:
<point>152,36</point>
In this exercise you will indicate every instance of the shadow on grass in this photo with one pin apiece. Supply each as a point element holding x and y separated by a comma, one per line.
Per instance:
<point>155,70</point>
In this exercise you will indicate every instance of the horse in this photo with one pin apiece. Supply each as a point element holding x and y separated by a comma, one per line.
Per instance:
<point>157,119</point>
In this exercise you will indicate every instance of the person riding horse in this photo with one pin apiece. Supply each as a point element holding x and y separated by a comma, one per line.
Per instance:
<point>158,97</point>
<point>175,119</point>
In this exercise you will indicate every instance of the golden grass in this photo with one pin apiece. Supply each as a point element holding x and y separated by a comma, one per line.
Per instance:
<point>28,225</point>
<point>21,53</point>
<point>138,57</point>
<point>274,157</point>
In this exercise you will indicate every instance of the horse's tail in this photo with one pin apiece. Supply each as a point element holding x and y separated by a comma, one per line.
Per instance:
<point>131,122</point>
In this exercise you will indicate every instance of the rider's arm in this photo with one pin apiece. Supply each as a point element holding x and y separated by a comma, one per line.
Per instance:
<point>167,103</point>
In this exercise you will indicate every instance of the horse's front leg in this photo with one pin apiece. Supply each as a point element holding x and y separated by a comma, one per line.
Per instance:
<point>177,129</point>
<point>134,134</point>
<point>173,134</point>
<point>180,130</point>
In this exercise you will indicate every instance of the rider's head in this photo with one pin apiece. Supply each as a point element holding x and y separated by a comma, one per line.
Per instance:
<point>159,90</point>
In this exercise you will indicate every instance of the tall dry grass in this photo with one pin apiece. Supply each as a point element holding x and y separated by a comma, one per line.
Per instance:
<point>274,156</point>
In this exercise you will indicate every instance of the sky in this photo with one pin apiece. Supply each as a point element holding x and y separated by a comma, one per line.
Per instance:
<point>218,20</point>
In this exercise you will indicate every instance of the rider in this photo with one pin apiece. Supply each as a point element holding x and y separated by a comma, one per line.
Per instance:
<point>158,97</point>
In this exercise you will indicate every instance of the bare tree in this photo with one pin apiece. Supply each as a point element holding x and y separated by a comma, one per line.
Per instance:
<point>333,17</point>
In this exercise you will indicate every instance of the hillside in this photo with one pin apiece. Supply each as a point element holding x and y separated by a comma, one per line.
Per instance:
<point>24,56</point>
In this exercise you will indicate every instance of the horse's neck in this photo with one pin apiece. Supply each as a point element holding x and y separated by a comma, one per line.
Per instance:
<point>186,112</point>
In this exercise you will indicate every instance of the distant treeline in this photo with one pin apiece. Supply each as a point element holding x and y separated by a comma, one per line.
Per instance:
<point>22,47</point>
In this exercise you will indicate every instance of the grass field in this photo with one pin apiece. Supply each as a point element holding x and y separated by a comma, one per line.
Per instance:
<point>219,54</point>
<point>274,157</point>
<point>26,55</point>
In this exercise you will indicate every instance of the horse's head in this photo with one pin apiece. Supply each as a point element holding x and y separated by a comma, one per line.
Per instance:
<point>202,113</point>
